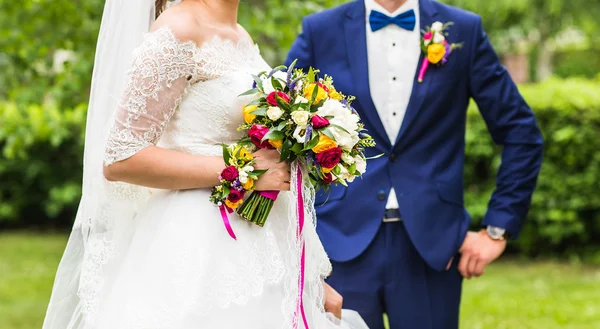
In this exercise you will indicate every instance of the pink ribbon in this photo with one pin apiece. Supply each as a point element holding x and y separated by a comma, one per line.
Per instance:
<point>300,300</point>
<point>424,67</point>
<point>224,209</point>
<point>269,194</point>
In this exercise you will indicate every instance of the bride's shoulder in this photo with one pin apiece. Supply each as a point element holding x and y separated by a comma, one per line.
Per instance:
<point>182,24</point>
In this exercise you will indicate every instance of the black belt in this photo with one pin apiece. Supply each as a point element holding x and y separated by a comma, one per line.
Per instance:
<point>391,216</point>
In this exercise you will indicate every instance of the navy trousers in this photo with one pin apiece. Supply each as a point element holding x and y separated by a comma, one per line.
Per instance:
<point>391,277</point>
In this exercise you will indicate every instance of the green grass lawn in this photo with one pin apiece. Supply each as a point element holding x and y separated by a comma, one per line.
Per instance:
<point>512,295</point>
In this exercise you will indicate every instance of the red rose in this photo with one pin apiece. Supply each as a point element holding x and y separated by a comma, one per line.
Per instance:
<point>235,195</point>
<point>229,173</point>
<point>271,99</point>
<point>319,122</point>
<point>256,133</point>
<point>328,179</point>
<point>330,158</point>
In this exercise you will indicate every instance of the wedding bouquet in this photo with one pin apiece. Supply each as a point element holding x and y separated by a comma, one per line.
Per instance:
<point>307,120</point>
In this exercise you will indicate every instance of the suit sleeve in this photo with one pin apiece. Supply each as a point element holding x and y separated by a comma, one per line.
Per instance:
<point>511,124</point>
<point>302,49</point>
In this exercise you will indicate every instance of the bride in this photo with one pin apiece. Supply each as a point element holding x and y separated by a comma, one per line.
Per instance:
<point>148,250</point>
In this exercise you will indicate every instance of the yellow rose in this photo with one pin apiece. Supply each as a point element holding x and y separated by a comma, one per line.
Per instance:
<point>333,94</point>
<point>321,94</point>
<point>242,153</point>
<point>248,185</point>
<point>233,205</point>
<point>276,143</point>
<point>248,116</point>
<point>435,52</point>
<point>325,143</point>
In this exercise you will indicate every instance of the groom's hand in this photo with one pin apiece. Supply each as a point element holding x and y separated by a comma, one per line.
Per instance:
<point>477,251</point>
<point>333,301</point>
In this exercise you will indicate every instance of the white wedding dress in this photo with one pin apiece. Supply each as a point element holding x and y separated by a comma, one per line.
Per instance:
<point>173,265</point>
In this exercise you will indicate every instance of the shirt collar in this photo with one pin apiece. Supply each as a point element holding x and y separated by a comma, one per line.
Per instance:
<point>408,5</point>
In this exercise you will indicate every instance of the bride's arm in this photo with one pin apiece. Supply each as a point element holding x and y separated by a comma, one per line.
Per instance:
<point>166,169</point>
<point>162,69</point>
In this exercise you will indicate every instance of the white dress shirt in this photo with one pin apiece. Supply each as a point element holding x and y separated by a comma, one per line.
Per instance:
<point>393,55</point>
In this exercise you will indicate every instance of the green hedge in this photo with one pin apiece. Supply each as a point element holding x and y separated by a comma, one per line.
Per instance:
<point>40,171</point>
<point>565,215</point>
<point>41,163</point>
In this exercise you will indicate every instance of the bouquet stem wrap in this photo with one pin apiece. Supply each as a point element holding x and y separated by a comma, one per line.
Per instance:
<point>258,206</point>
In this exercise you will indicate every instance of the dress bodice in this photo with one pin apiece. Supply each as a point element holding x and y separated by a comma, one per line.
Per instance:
<point>182,96</point>
<point>211,110</point>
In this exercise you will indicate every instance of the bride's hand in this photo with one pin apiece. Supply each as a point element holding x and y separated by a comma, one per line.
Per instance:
<point>277,177</point>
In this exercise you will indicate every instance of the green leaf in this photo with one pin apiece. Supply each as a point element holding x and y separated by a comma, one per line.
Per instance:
<point>226,155</point>
<point>259,82</point>
<point>276,83</point>
<point>259,111</point>
<point>258,172</point>
<point>297,148</point>
<point>310,77</point>
<point>249,92</point>
<point>285,150</point>
<point>226,190</point>
<point>328,133</point>
<point>340,128</point>
<point>282,103</point>
<point>314,95</point>
<point>273,135</point>
<point>313,142</point>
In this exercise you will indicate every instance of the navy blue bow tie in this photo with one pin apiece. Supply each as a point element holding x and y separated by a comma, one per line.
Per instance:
<point>406,20</point>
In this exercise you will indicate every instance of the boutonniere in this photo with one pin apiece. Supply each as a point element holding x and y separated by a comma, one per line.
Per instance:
<point>435,47</point>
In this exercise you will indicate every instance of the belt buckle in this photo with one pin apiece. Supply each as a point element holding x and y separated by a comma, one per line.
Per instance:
<point>391,220</point>
<point>392,216</point>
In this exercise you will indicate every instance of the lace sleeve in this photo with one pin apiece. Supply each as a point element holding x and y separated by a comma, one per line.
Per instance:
<point>162,69</point>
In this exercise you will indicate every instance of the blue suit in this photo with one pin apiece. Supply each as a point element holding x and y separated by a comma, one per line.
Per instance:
<point>399,268</point>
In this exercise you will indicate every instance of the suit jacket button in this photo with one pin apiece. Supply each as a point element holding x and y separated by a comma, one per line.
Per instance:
<point>393,157</point>
<point>381,195</point>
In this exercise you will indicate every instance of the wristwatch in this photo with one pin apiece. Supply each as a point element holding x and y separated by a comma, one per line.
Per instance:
<point>496,233</point>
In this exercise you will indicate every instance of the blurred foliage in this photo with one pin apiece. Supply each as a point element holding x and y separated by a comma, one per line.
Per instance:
<point>565,215</point>
<point>41,166</point>
<point>580,63</point>
<point>31,32</point>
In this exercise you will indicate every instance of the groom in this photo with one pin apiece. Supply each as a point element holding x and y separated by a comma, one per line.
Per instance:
<point>398,238</point>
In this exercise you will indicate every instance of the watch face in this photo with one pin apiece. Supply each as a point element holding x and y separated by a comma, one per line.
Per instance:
<point>496,232</point>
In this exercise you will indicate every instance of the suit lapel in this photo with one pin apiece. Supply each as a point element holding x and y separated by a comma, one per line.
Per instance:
<point>356,43</point>
<point>419,92</point>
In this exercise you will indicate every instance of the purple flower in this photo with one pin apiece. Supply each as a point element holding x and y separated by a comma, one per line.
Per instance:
<point>448,50</point>
<point>308,133</point>
<point>254,85</point>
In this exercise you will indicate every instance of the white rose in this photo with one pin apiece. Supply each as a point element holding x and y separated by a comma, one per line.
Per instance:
<point>347,158</point>
<point>243,177</point>
<point>248,169</point>
<point>438,38</point>
<point>300,134</point>
<point>300,99</point>
<point>274,113</point>
<point>331,107</point>
<point>437,26</point>
<point>301,117</point>
<point>361,164</point>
